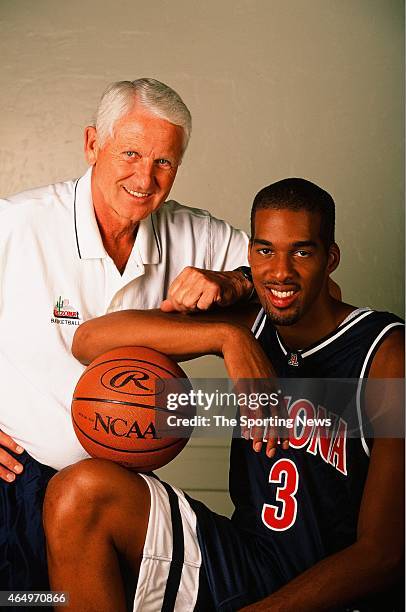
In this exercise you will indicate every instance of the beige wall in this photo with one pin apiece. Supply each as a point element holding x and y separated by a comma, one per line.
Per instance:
<point>277,88</point>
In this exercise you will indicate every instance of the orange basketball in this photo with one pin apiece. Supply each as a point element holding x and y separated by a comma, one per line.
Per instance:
<point>119,408</point>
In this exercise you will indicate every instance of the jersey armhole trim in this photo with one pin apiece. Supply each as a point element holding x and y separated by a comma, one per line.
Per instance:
<point>364,374</point>
<point>259,323</point>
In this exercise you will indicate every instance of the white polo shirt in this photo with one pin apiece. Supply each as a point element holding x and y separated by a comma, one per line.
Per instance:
<point>55,274</point>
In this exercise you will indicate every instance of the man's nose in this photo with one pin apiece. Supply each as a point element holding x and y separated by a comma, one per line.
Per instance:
<point>144,175</point>
<point>282,269</point>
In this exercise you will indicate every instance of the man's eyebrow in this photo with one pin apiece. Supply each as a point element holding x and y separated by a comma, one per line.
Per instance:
<point>305,243</point>
<point>261,241</point>
<point>298,244</point>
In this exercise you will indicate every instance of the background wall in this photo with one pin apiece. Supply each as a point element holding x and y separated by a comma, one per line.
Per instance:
<point>277,88</point>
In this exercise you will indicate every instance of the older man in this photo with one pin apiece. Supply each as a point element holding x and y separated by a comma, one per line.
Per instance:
<point>77,250</point>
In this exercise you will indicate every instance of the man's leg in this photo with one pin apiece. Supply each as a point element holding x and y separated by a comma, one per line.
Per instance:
<point>95,516</point>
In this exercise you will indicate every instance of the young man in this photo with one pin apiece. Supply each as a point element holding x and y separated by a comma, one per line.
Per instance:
<point>317,526</point>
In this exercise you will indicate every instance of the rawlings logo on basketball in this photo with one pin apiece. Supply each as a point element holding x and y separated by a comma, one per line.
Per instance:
<point>126,378</point>
<point>132,381</point>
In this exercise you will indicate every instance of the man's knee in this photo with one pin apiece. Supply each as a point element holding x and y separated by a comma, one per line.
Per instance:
<point>81,495</point>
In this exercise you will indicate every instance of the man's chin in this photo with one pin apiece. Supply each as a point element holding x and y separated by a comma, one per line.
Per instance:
<point>281,318</point>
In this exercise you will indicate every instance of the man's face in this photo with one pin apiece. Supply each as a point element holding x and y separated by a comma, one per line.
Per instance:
<point>134,170</point>
<point>289,263</point>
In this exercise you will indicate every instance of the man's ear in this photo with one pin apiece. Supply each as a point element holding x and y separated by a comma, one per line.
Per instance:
<point>333,258</point>
<point>90,145</point>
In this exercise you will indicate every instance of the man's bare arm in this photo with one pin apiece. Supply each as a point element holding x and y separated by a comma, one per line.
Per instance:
<point>180,336</point>
<point>184,337</point>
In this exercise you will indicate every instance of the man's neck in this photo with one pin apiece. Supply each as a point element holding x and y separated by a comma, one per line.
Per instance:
<point>117,233</point>
<point>119,246</point>
<point>118,238</point>
<point>315,325</point>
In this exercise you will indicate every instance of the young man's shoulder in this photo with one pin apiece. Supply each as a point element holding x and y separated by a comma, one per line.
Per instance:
<point>375,319</point>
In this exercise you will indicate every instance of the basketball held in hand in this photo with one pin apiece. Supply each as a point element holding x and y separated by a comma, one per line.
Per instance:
<point>119,408</point>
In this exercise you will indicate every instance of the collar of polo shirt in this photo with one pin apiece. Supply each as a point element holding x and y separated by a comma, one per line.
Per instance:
<point>88,240</point>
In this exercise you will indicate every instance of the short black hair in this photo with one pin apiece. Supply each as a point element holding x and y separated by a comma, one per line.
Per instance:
<point>298,194</point>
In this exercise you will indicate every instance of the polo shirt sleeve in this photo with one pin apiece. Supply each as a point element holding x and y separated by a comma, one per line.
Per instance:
<point>4,204</point>
<point>228,247</point>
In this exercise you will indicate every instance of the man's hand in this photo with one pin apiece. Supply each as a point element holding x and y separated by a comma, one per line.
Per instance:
<point>195,289</point>
<point>255,378</point>
<point>264,412</point>
<point>9,467</point>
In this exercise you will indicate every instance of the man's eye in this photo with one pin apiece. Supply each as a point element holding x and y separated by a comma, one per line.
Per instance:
<point>130,153</point>
<point>302,253</point>
<point>165,163</point>
<point>264,251</point>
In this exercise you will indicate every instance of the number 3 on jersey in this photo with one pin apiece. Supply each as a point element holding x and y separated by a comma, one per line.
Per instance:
<point>279,518</point>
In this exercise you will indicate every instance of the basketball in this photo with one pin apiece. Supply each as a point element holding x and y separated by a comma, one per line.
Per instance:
<point>119,408</point>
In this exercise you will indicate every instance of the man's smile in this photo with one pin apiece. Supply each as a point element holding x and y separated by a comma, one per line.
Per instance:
<point>136,194</point>
<point>281,298</point>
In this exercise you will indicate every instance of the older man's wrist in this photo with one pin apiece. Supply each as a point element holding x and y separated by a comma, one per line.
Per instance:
<point>248,285</point>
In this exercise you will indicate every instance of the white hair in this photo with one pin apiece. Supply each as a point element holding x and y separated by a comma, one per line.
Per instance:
<point>162,101</point>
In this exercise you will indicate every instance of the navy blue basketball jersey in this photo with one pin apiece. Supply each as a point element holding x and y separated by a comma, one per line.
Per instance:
<point>303,504</point>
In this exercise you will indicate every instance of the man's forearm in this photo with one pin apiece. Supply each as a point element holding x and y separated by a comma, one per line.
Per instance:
<point>178,336</point>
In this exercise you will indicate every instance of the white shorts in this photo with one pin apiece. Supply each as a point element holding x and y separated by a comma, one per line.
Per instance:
<point>169,572</point>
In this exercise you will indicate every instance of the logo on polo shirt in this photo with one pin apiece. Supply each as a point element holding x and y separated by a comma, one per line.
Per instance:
<point>65,313</point>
